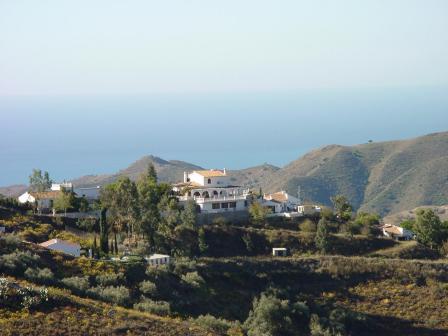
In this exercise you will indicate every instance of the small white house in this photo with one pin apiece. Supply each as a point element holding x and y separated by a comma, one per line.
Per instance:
<point>279,252</point>
<point>63,246</point>
<point>309,209</point>
<point>43,200</point>
<point>158,259</point>
<point>397,232</point>
<point>281,201</point>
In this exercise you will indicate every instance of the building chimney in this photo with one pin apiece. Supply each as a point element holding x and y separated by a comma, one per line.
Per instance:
<point>185,177</point>
<point>224,171</point>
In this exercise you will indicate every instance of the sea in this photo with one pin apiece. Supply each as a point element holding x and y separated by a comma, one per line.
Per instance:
<point>71,136</point>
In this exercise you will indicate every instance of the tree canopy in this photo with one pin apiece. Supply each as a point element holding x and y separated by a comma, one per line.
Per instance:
<point>39,181</point>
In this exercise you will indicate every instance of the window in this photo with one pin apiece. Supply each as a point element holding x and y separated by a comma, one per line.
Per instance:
<point>224,205</point>
<point>215,205</point>
<point>232,204</point>
<point>209,181</point>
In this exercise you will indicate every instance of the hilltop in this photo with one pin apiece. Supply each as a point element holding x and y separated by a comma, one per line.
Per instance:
<point>167,171</point>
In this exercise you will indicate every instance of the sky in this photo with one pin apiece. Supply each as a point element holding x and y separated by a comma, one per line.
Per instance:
<point>110,47</point>
<point>88,87</point>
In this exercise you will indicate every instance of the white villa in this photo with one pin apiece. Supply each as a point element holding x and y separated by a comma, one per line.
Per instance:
<point>63,246</point>
<point>212,192</point>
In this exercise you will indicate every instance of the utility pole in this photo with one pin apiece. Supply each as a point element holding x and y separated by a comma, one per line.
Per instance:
<point>299,195</point>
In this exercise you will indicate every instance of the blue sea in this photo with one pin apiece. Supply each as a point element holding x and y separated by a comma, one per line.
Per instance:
<point>75,136</point>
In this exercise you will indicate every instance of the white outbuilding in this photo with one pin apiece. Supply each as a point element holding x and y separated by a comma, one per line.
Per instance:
<point>158,259</point>
<point>63,246</point>
<point>279,252</point>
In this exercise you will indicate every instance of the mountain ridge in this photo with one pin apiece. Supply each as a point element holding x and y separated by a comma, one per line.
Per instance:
<point>383,177</point>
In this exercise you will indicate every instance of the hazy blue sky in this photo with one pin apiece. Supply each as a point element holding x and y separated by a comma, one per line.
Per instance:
<point>91,86</point>
<point>128,47</point>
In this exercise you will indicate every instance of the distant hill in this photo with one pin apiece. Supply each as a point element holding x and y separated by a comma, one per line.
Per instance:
<point>384,177</point>
<point>254,176</point>
<point>13,190</point>
<point>167,171</point>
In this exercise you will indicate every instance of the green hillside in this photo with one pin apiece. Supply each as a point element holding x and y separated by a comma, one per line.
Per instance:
<point>383,177</point>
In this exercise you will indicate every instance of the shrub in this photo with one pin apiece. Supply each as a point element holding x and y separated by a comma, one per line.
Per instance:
<point>271,316</point>
<point>41,275</point>
<point>10,242</point>
<point>184,265</point>
<point>308,226</point>
<point>109,279</point>
<point>193,279</point>
<point>77,284</point>
<point>212,323</point>
<point>40,233</point>
<point>220,221</point>
<point>154,307</point>
<point>148,288</point>
<point>119,295</point>
<point>16,262</point>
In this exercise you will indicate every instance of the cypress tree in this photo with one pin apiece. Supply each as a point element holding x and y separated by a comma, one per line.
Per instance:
<point>115,242</point>
<point>322,236</point>
<point>94,248</point>
<point>104,232</point>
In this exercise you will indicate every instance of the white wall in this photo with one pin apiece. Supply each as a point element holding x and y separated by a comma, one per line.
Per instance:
<point>26,197</point>
<point>218,181</point>
<point>208,206</point>
<point>66,248</point>
<point>90,193</point>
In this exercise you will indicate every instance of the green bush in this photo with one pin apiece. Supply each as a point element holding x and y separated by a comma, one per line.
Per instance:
<point>110,279</point>
<point>77,284</point>
<point>212,323</point>
<point>119,295</point>
<point>193,279</point>
<point>40,275</point>
<point>308,226</point>
<point>10,242</point>
<point>272,316</point>
<point>148,288</point>
<point>17,262</point>
<point>161,308</point>
<point>184,265</point>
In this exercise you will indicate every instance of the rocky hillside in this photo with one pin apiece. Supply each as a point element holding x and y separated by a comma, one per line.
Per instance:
<point>384,177</point>
<point>397,218</point>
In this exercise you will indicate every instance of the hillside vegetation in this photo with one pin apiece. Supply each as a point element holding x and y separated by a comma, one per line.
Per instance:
<point>383,177</point>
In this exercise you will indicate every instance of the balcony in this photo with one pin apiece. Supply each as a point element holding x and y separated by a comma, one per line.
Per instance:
<point>214,199</point>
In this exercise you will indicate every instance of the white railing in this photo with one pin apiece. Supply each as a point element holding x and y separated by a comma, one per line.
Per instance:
<point>213,199</point>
